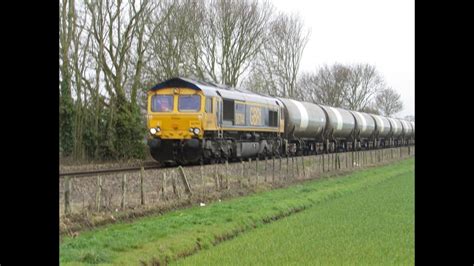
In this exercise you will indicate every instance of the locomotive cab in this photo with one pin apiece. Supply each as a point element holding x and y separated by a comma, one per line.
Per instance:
<point>175,123</point>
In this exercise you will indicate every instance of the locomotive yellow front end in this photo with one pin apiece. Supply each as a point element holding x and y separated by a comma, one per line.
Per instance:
<point>175,119</point>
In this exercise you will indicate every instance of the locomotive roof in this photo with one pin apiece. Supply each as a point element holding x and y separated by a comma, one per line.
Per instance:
<point>211,89</point>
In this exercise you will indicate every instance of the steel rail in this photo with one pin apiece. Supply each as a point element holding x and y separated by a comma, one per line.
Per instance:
<point>107,171</point>
<point>137,168</point>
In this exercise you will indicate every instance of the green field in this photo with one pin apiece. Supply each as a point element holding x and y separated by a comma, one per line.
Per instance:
<point>374,226</point>
<point>364,217</point>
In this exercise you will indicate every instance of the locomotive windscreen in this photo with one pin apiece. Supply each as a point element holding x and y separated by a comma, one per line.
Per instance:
<point>189,103</point>
<point>162,103</point>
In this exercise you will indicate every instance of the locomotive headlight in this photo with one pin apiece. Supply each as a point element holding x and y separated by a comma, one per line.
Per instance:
<point>158,129</point>
<point>196,131</point>
<point>153,131</point>
<point>191,129</point>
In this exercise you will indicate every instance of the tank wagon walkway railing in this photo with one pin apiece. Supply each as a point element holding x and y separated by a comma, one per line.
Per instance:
<point>163,187</point>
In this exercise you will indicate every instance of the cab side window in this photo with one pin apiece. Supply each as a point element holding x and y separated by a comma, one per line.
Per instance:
<point>208,105</point>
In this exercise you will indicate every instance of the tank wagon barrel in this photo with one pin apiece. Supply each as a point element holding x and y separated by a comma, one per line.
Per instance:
<point>303,119</point>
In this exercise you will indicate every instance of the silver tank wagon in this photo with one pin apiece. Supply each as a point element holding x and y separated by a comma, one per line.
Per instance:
<point>340,123</point>
<point>396,128</point>
<point>303,119</point>
<point>365,124</point>
<point>407,130</point>
<point>382,126</point>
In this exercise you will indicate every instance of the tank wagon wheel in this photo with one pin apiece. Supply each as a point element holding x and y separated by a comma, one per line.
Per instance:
<point>168,163</point>
<point>264,154</point>
<point>182,161</point>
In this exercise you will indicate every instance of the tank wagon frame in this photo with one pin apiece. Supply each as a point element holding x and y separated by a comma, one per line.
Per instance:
<point>190,121</point>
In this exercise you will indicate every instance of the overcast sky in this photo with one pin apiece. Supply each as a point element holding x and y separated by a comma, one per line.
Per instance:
<point>378,32</point>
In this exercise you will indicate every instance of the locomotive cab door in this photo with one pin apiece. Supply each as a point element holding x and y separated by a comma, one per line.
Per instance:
<point>210,118</point>
<point>219,112</point>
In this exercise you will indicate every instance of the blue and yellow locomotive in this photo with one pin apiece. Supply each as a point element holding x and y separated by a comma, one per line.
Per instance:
<point>190,120</point>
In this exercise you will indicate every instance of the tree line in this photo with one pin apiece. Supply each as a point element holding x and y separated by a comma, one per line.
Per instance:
<point>113,51</point>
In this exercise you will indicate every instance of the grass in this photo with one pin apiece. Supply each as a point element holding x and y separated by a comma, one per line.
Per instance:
<point>372,227</point>
<point>180,233</point>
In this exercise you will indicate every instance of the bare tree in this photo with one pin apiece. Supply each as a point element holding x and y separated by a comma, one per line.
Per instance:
<point>174,43</point>
<point>388,102</point>
<point>410,118</point>
<point>364,82</point>
<point>280,57</point>
<point>370,109</point>
<point>79,63</point>
<point>327,86</point>
<point>308,82</point>
<point>261,81</point>
<point>117,29</point>
<point>66,110</point>
<point>232,34</point>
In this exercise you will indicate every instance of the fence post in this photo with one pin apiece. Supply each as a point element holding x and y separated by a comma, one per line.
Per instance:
<point>265,170</point>
<point>248,170</point>
<point>216,176</point>
<point>297,168</point>
<point>356,158</point>
<point>173,183</point>
<point>227,174</point>
<point>256,170</point>
<point>201,169</point>
<point>323,162</point>
<point>67,189</point>
<point>187,187</point>
<point>279,168</point>
<point>99,192</point>
<point>345,159</point>
<point>142,193</point>
<point>328,165</point>
<point>302,162</point>
<point>338,161</point>
<point>273,169</point>
<point>331,162</point>
<point>124,191</point>
<point>163,185</point>
<point>203,181</point>
<point>242,174</point>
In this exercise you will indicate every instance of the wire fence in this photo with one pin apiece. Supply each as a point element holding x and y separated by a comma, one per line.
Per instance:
<point>161,187</point>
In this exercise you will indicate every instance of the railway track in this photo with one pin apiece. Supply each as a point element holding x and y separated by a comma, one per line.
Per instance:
<point>146,166</point>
